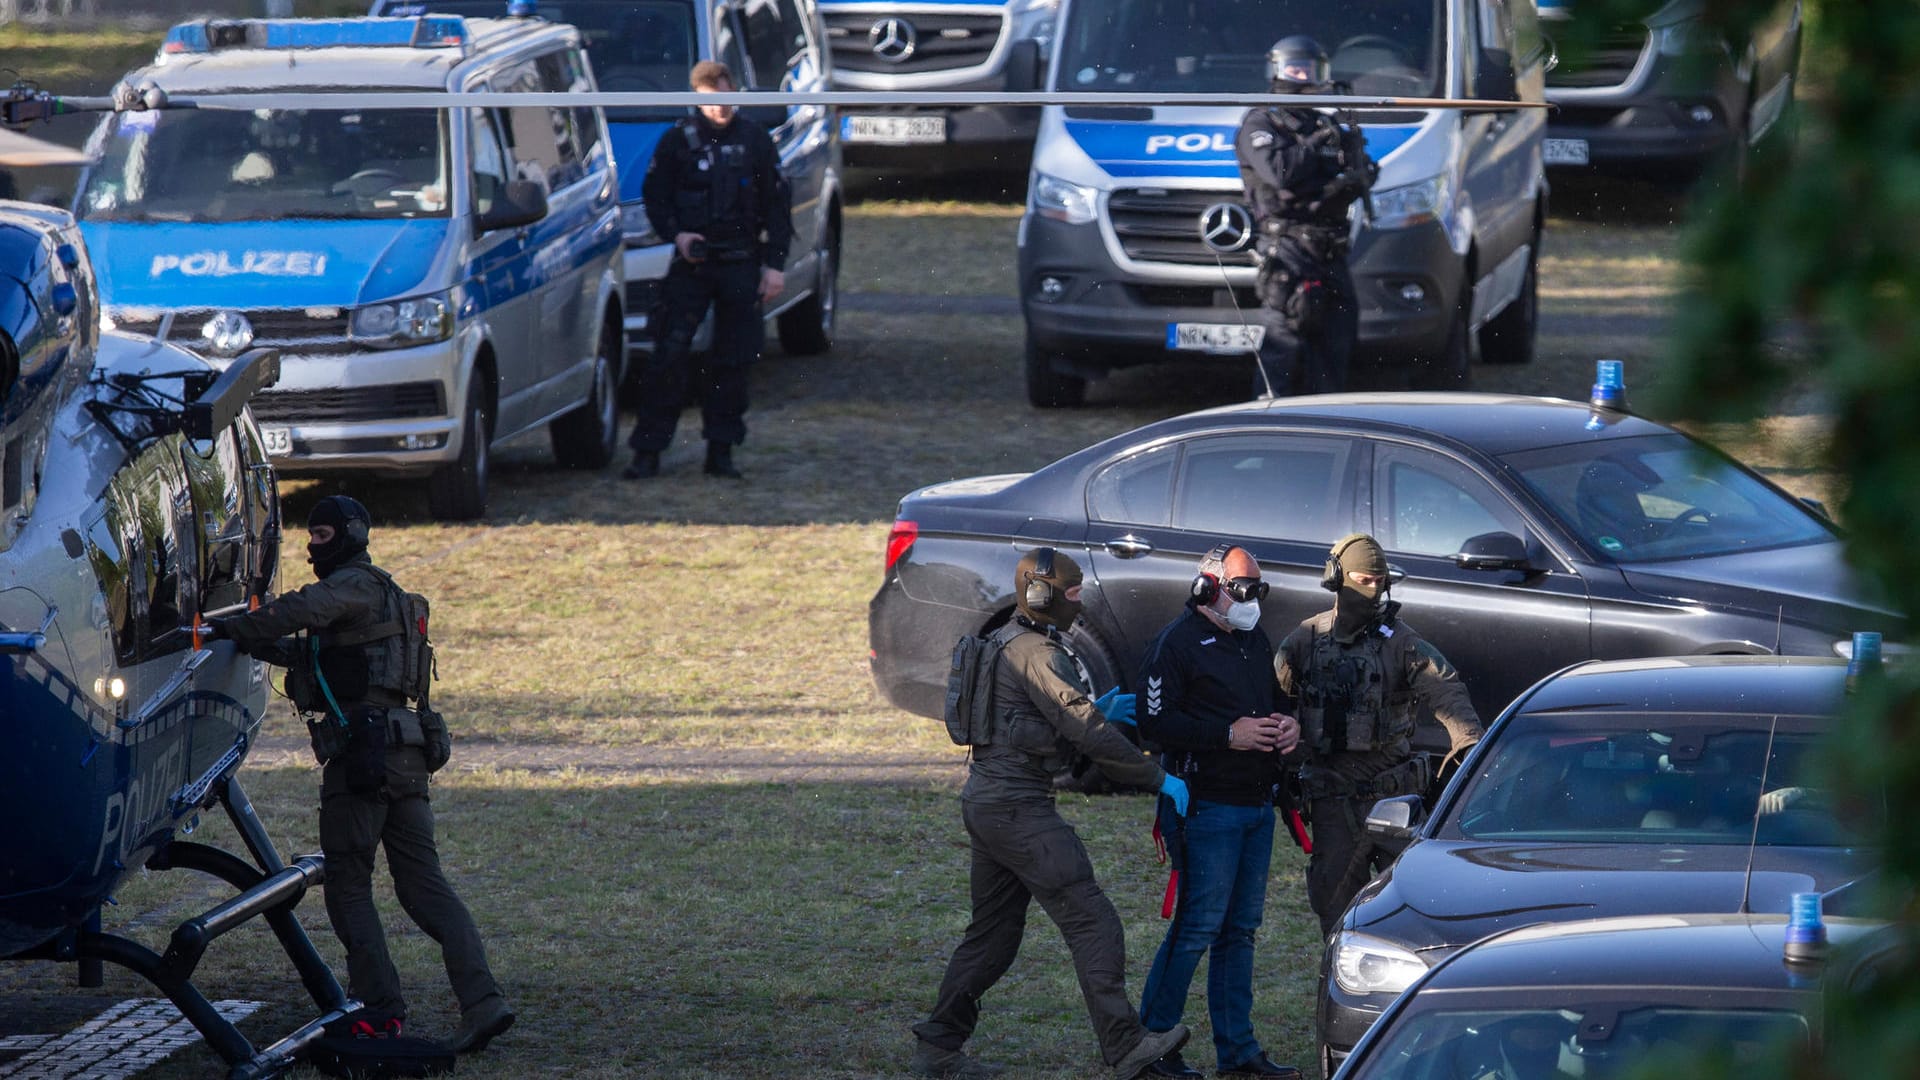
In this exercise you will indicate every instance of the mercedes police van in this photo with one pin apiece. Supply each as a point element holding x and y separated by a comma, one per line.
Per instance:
<point>1115,267</point>
<point>925,45</point>
<point>642,45</point>
<point>438,280</point>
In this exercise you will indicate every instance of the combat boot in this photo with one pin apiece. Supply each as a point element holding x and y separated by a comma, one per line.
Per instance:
<point>1152,1046</point>
<point>720,461</point>
<point>646,465</point>
<point>480,1025</point>
<point>930,1060</point>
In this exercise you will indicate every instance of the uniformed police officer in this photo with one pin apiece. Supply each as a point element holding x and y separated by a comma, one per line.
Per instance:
<point>1302,170</point>
<point>376,753</point>
<point>1023,850</point>
<point>713,187</point>
<point>1359,675</point>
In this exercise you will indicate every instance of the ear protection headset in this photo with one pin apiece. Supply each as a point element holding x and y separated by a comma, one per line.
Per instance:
<point>357,530</point>
<point>1206,586</point>
<point>1333,576</point>
<point>1039,593</point>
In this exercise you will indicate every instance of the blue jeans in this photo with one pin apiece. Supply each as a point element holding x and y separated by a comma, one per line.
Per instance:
<point>1223,893</point>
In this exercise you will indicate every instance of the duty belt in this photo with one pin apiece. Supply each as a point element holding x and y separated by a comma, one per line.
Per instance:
<point>1410,777</point>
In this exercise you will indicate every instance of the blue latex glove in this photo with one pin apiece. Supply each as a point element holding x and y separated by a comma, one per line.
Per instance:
<point>1176,789</point>
<point>1117,706</point>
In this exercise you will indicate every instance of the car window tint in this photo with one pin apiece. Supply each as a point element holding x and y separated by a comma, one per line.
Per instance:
<point>490,169</point>
<point>1430,505</point>
<point>1663,497</point>
<point>1531,1043</point>
<point>541,140</point>
<point>769,43</point>
<point>726,45</point>
<point>1282,487</point>
<point>1137,490</point>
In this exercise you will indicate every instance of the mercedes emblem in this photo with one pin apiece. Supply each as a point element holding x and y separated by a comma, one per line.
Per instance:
<point>1226,227</point>
<point>893,40</point>
<point>228,333</point>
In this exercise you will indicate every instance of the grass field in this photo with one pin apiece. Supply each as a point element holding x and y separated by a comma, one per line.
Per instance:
<point>654,906</point>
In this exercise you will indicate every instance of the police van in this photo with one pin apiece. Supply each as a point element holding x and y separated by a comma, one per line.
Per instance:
<point>1136,241</point>
<point>652,45</point>
<point>438,280</point>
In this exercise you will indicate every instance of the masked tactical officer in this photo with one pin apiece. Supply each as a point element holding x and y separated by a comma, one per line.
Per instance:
<point>714,188</point>
<point>345,668</point>
<point>1302,170</point>
<point>1023,850</point>
<point>1359,675</point>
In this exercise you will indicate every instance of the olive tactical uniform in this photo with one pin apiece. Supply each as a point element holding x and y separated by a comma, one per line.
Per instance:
<point>374,780</point>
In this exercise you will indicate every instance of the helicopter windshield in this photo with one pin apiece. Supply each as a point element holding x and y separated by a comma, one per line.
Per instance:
<point>268,164</point>
<point>1212,46</point>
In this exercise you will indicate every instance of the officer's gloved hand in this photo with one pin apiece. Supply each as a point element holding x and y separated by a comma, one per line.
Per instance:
<point>214,630</point>
<point>1117,707</point>
<point>1176,789</point>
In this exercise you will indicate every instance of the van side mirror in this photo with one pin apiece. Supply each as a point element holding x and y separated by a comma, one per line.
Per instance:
<point>1023,65</point>
<point>1493,551</point>
<point>522,203</point>
<point>1391,821</point>
<point>1495,80</point>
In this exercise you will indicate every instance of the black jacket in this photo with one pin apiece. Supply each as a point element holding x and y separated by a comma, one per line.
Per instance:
<point>1298,166</point>
<point>723,183</point>
<point>1196,681</point>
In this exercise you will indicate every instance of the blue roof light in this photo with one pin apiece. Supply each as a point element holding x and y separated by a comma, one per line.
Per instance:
<point>1609,386</point>
<point>522,9</point>
<point>1806,937</point>
<point>423,32</point>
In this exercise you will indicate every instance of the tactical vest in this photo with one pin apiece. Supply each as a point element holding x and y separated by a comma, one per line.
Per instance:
<point>1316,172</point>
<point>1348,702</point>
<point>714,194</point>
<point>388,662</point>
<point>1019,724</point>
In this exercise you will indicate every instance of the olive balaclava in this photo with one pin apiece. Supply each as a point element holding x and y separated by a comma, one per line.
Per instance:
<point>350,522</point>
<point>1040,588</point>
<point>1355,607</point>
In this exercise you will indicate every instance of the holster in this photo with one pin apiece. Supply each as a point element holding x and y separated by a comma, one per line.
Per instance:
<point>365,759</point>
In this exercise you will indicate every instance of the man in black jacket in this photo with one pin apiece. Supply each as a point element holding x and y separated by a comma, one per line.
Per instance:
<point>1212,703</point>
<point>714,188</point>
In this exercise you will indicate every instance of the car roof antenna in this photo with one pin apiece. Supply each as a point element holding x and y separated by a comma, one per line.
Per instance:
<point>1779,616</point>
<point>1753,837</point>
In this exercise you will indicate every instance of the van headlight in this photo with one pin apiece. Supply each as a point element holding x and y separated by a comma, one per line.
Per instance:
<point>1055,198</point>
<point>1414,204</point>
<point>401,323</point>
<point>1368,965</point>
<point>635,228</point>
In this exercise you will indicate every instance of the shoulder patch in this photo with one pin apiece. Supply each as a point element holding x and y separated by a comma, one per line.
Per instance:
<point>1260,140</point>
<point>1425,648</point>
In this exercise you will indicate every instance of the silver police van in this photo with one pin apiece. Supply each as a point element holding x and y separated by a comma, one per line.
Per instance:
<point>437,279</point>
<point>1115,264</point>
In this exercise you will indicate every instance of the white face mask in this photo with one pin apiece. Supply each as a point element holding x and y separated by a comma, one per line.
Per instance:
<point>1243,616</point>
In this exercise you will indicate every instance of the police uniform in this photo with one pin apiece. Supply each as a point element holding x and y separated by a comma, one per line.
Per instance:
<point>1024,850</point>
<point>374,783</point>
<point>1301,171</point>
<point>1358,699</point>
<point>724,183</point>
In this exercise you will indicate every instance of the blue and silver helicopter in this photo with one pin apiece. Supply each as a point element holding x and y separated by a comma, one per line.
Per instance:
<point>136,498</point>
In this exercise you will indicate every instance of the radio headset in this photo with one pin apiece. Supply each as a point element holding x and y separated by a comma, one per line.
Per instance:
<point>1039,593</point>
<point>1333,576</point>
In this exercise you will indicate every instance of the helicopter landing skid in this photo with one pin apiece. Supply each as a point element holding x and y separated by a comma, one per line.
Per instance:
<point>270,890</point>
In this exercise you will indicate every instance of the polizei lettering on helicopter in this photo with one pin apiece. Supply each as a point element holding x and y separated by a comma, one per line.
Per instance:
<point>1192,142</point>
<point>218,264</point>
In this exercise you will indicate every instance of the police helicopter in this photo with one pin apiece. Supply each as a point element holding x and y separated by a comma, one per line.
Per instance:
<point>136,498</point>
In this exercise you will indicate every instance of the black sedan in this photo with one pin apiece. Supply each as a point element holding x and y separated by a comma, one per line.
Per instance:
<point>1524,534</point>
<point>1602,999</point>
<point>1624,787</point>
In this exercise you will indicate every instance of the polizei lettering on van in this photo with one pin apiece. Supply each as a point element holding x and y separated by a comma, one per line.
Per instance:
<point>1193,142</point>
<point>228,264</point>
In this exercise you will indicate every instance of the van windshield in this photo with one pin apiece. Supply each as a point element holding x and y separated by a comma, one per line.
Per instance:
<point>634,45</point>
<point>1388,47</point>
<point>267,164</point>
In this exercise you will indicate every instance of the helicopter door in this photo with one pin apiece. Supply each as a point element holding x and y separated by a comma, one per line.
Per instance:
<point>215,480</point>
<point>261,503</point>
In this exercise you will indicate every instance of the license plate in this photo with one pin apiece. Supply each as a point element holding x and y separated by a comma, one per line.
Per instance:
<point>1215,337</point>
<point>898,130</point>
<point>279,440</point>
<point>1563,151</point>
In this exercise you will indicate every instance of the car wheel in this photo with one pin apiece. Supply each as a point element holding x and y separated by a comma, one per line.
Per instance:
<point>585,438</point>
<point>1451,368</point>
<point>1047,387</point>
<point>1508,338</point>
<point>806,328</point>
<point>458,491</point>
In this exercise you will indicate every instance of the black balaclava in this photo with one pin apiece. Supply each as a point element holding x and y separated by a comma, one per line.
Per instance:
<point>1034,580</point>
<point>350,523</point>
<point>1356,608</point>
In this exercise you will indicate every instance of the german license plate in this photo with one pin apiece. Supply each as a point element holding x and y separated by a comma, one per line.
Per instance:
<point>279,440</point>
<point>1563,151</point>
<point>897,130</point>
<point>1215,337</point>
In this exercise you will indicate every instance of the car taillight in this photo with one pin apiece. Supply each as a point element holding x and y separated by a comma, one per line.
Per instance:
<point>900,539</point>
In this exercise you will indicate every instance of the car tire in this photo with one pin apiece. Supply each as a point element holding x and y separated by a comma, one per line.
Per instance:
<point>1452,367</point>
<point>806,328</point>
<point>457,491</point>
<point>586,437</point>
<point>1047,387</point>
<point>1508,338</point>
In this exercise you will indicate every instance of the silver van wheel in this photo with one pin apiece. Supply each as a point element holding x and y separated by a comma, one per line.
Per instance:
<point>457,491</point>
<point>586,437</point>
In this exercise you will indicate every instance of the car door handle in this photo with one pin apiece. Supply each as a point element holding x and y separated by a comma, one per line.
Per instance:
<point>1128,547</point>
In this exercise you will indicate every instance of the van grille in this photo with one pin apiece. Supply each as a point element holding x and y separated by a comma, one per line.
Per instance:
<point>1610,63</point>
<point>403,401</point>
<point>1164,227</point>
<point>303,330</point>
<point>942,41</point>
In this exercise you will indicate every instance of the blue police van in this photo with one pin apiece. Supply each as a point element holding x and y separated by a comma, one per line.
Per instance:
<point>775,45</point>
<point>437,280</point>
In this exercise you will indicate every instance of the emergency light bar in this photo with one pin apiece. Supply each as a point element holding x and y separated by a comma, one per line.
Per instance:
<point>421,32</point>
